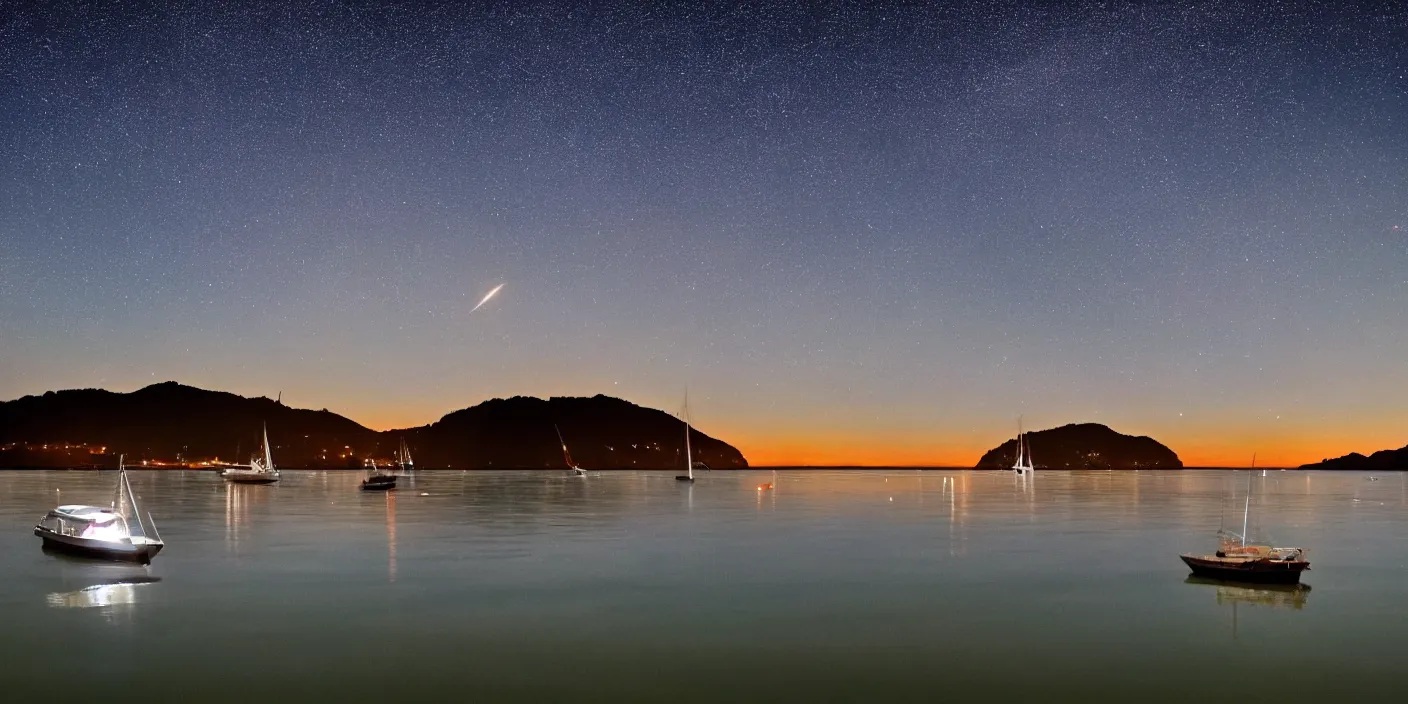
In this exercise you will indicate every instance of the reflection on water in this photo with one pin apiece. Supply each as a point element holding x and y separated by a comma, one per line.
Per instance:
<point>391,534</point>
<point>237,500</point>
<point>833,585</point>
<point>101,595</point>
<point>1276,596</point>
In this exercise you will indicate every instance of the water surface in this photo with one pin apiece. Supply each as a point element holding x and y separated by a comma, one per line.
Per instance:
<point>897,585</point>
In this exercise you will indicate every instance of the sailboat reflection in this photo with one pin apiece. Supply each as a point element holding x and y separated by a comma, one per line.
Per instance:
<point>391,535</point>
<point>1277,596</point>
<point>102,595</point>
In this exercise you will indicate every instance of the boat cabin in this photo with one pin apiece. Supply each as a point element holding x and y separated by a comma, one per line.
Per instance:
<point>90,522</point>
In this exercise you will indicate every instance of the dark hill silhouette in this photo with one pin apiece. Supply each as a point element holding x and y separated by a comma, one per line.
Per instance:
<point>1084,446</point>
<point>1381,461</point>
<point>600,432</point>
<point>167,420</point>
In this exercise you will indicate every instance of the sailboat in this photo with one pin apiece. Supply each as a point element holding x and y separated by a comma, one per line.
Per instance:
<point>378,480</point>
<point>576,471</point>
<point>256,472</point>
<point>1024,453</point>
<point>403,457</point>
<point>113,533</point>
<point>1236,561</point>
<point>688,476</point>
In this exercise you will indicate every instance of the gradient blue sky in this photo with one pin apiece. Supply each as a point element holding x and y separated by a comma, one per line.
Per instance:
<point>858,234</point>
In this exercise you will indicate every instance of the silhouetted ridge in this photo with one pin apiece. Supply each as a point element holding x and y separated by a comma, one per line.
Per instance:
<point>1381,461</point>
<point>1084,446</point>
<point>600,432</point>
<point>170,420</point>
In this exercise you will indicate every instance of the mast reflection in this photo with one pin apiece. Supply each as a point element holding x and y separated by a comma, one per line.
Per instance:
<point>1276,596</point>
<point>391,534</point>
<point>238,501</point>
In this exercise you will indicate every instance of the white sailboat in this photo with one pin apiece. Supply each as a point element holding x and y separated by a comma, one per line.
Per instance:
<point>113,533</point>
<point>576,471</point>
<point>256,472</point>
<point>403,457</point>
<point>1024,453</point>
<point>688,476</point>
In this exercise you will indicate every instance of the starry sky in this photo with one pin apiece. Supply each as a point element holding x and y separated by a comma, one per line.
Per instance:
<point>858,233</point>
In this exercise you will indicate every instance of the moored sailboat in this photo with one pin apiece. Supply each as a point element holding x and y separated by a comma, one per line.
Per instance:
<point>113,533</point>
<point>378,480</point>
<point>567,456</point>
<point>1023,465</point>
<point>1236,561</point>
<point>403,457</point>
<point>688,476</point>
<point>256,472</point>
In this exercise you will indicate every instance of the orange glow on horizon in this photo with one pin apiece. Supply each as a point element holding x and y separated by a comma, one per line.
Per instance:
<point>1203,448</point>
<point>1227,438</point>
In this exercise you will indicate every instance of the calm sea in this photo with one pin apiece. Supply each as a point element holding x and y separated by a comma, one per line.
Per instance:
<point>897,585</point>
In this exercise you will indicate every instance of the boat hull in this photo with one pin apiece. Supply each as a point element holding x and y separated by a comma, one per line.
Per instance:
<point>379,484</point>
<point>260,478</point>
<point>98,549</point>
<point>1255,571</point>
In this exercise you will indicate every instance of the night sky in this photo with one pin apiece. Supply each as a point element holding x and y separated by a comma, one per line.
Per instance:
<point>857,234</point>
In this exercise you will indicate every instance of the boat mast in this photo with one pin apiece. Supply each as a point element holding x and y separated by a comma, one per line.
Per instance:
<point>1247,510</point>
<point>1019,442</point>
<point>132,502</point>
<point>121,474</point>
<point>268,458</point>
<point>688,453</point>
<point>565,454</point>
<point>124,503</point>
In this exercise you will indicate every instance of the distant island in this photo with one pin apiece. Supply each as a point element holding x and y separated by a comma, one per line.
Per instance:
<point>174,424</point>
<point>1084,446</point>
<point>1381,461</point>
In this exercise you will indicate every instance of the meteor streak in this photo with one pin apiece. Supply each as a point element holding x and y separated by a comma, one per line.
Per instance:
<point>487,297</point>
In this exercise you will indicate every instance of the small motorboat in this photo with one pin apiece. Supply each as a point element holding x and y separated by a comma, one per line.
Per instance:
<point>116,532</point>
<point>378,480</point>
<point>765,486</point>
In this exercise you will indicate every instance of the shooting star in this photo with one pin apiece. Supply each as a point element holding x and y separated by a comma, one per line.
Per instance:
<point>487,297</point>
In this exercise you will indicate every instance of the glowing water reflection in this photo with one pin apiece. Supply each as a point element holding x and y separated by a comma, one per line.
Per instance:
<point>101,595</point>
